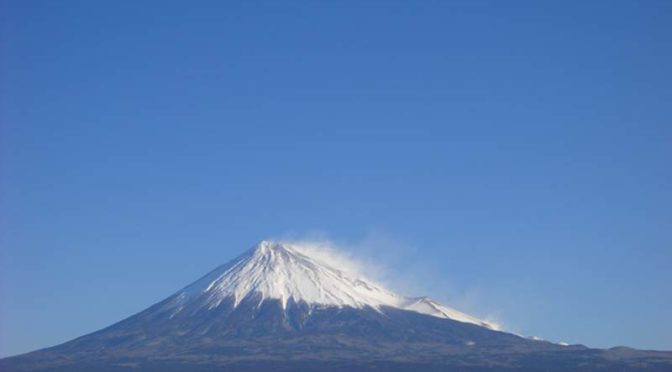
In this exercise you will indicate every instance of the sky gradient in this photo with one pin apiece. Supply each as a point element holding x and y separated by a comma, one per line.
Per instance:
<point>512,160</point>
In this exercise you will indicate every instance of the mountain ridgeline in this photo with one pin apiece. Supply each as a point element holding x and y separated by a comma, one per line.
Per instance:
<point>285,307</point>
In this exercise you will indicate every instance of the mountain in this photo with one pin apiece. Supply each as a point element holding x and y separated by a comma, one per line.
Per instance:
<point>295,273</point>
<point>290,307</point>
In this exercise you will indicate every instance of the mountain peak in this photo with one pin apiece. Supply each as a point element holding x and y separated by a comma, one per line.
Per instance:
<point>267,246</point>
<point>298,273</point>
<point>268,254</point>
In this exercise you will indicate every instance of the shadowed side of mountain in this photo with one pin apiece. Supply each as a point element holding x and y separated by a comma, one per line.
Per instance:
<point>268,322</point>
<point>254,336</point>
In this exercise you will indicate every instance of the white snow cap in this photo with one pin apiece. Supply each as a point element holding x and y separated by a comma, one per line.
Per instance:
<point>284,271</point>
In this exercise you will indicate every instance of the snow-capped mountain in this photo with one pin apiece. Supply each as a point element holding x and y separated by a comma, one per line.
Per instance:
<point>286,307</point>
<point>288,271</point>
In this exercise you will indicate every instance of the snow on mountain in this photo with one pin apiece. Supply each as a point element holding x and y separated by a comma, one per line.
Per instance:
<point>428,306</point>
<point>288,271</point>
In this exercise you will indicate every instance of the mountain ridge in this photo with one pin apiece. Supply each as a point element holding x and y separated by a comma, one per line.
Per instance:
<point>276,307</point>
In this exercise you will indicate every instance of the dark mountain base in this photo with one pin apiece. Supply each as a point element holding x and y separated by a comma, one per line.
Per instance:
<point>262,336</point>
<point>522,364</point>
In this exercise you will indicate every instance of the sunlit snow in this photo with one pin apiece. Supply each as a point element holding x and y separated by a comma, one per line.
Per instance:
<point>284,271</point>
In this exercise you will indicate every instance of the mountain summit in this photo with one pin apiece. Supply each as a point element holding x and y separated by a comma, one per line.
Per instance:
<point>287,272</point>
<point>291,307</point>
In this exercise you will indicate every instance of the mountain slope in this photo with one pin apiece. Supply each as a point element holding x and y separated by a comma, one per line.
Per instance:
<point>291,272</point>
<point>285,307</point>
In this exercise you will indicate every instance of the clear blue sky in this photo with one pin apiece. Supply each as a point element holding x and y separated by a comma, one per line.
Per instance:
<point>519,152</point>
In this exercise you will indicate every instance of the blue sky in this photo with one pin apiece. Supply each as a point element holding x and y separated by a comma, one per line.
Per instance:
<point>512,159</point>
